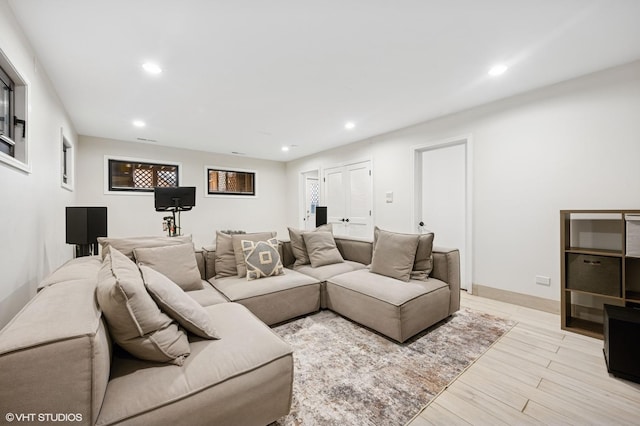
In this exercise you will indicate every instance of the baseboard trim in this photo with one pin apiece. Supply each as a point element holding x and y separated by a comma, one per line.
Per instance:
<point>528,301</point>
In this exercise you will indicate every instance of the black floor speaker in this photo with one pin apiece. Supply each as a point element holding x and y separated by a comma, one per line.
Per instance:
<point>622,341</point>
<point>321,216</point>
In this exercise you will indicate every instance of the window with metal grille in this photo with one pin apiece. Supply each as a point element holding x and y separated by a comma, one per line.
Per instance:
<point>231,182</point>
<point>127,175</point>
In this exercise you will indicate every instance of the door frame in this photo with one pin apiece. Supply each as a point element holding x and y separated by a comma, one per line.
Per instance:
<point>416,161</point>
<point>301,193</point>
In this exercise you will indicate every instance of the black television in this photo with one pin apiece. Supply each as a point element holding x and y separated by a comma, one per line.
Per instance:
<point>177,198</point>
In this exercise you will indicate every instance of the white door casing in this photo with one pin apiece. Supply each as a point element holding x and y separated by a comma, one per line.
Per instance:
<point>442,179</point>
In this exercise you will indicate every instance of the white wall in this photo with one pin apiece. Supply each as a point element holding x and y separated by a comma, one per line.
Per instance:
<point>32,235</point>
<point>574,145</point>
<point>130,215</point>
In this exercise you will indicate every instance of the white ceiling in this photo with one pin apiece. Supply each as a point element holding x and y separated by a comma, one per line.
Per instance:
<point>252,75</point>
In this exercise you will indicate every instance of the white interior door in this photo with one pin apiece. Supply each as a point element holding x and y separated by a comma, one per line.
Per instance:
<point>348,197</point>
<point>335,199</point>
<point>359,200</point>
<point>443,208</point>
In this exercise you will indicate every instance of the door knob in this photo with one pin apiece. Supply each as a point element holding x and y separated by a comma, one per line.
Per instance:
<point>421,223</point>
<point>342,220</point>
<point>346,220</point>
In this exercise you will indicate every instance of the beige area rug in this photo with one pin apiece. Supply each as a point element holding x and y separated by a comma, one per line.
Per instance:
<point>348,375</point>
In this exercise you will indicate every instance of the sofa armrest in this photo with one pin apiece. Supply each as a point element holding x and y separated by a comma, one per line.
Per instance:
<point>209,254</point>
<point>446,267</point>
<point>202,266</point>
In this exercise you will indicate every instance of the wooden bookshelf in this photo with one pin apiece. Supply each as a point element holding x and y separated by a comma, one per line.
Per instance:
<point>595,268</point>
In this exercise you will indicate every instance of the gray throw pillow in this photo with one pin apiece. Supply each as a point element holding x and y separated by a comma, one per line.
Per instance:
<point>134,320</point>
<point>321,248</point>
<point>237,248</point>
<point>394,254</point>
<point>298,247</point>
<point>262,258</point>
<point>127,244</point>
<point>178,304</point>
<point>423,264</point>
<point>177,262</point>
<point>225,258</point>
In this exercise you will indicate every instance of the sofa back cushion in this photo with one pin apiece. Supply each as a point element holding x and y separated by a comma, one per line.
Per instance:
<point>356,250</point>
<point>177,262</point>
<point>55,354</point>
<point>127,244</point>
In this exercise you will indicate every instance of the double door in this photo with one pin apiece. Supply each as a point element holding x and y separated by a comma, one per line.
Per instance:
<point>348,196</point>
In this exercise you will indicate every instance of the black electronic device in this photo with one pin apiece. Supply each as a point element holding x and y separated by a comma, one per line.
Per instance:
<point>177,198</point>
<point>174,199</point>
<point>321,216</point>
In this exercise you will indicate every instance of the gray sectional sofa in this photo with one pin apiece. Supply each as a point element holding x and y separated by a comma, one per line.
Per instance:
<point>57,356</point>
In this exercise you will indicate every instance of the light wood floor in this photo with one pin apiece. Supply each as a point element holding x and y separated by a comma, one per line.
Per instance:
<point>535,374</point>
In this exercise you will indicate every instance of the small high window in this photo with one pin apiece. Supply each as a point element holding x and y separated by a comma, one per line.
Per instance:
<point>13,116</point>
<point>140,176</point>
<point>230,182</point>
<point>66,163</point>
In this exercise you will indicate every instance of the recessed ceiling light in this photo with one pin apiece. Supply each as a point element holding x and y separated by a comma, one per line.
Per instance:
<point>152,68</point>
<point>497,70</point>
<point>139,123</point>
<point>285,148</point>
<point>349,125</point>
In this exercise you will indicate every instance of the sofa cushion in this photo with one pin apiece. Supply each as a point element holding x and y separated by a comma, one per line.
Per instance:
<point>298,246</point>
<point>321,248</point>
<point>249,367</point>
<point>394,254</point>
<point>207,296</point>
<point>322,273</point>
<point>236,288</point>
<point>385,288</point>
<point>392,307</point>
<point>135,321</point>
<point>225,259</point>
<point>177,304</point>
<point>273,299</point>
<point>261,258</point>
<point>176,262</point>
<point>238,251</point>
<point>127,244</point>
